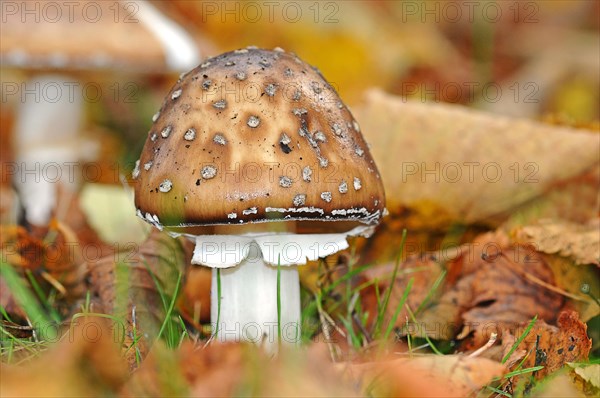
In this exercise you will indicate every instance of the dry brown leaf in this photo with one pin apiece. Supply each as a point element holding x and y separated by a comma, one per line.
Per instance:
<point>554,346</point>
<point>425,376</point>
<point>159,375</point>
<point>234,369</point>
<point>490,285</point>
<point>572,279</point>
<point>69,212</point>
<point>468,165</point>
<point>549,236</point>
<point>65,261</point>
<point>218,369</point>
<point>54,262</point>
<point>580,242</point>
<point>20,248</point>
<point>237,369</point>
<point>125,285</point>
<point>507,291</point>
<point>194,302</point>
<point>85,362</point>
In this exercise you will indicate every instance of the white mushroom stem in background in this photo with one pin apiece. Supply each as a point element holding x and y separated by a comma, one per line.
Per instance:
<point>47,143</point>
<point>248,279</point>
<point>180,49</point>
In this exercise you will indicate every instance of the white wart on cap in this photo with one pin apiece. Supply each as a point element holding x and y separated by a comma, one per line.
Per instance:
<point>279,143</point>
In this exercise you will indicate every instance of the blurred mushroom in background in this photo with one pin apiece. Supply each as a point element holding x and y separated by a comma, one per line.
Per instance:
<point>58,56</point>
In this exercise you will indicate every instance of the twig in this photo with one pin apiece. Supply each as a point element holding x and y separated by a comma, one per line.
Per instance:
<point>325,329</point>
<point>480,350</point>
<point>54,282</point>
<point>540,282</point>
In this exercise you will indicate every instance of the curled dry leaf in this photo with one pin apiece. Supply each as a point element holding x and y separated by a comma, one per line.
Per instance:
<point>553,347</point>
<point>580,242</point>
<point>53,263</point>
<point>471,166</point>
<point>424,376</point>
<point>136,286</point>
<point>20,248</point>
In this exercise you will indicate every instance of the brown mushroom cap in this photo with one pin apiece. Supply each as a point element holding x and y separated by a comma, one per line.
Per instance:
<point>251,136</point>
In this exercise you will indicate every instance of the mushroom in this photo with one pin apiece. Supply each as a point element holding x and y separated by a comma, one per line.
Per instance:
<point>55,39</point>
<point>272,179</point>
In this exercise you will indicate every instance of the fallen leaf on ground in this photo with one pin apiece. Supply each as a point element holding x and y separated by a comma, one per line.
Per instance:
<point>555,346</point>
<point>468,165</point>
<point>490,285</point>
<point>588,377</point>
<point>506,291</point>
<point>111,212</point>
<point>54,264</point>
<point>580,242</point>
<point>574,280</point>
<point>234,369</point>
<point>86,362</point>
<point>194,302</point>
<point>425,376</point>
<point>20,248</point>
<point>158,375</point>
<point>137,285</point>
<point>562,245</point>
<point>560,385</point>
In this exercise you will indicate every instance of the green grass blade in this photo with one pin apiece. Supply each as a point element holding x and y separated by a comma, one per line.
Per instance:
<point>388,293</point>
<point>498,391</point>
<point>390,326</point>
<point>433,347</point>
<point>522,371</point>
<point>431,291</point>
<point>4,313</point>
<point>520,339</point>
<point>184,332</point>
<point>311,308</point>
<point>26,300</point>
<point>171,306</point>
<point>39,292</point>
<point>216,334</point>
<point>345,277</point>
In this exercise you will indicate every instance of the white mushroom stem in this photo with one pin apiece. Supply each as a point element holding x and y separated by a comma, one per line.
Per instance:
<point>47,143</point>
<point>247,307</point>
